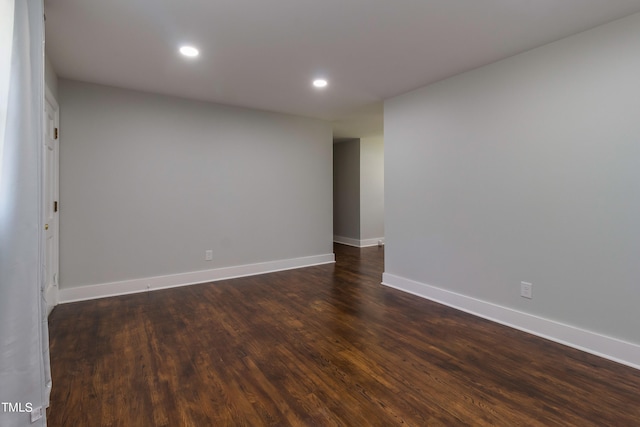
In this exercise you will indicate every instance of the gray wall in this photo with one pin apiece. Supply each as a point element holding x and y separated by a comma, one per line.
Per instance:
<point>526,170</point>
<point>372,187</point>
<point>346,189</point>
<point>50,77</point>
<point>149,182</point>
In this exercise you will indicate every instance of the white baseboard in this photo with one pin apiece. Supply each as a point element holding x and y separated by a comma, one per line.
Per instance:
<point>346,241</point>
<point>604,346</point>
<point>365,243</point>
<point>125,287</point>
<point>356,242</point>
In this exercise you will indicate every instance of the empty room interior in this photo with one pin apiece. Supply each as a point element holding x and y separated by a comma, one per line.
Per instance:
<point>336,213</point>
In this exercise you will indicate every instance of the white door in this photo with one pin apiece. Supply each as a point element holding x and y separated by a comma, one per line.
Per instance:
<point>50,195</point>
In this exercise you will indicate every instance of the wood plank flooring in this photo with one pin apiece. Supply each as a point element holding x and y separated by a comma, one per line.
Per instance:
<point>320,346</point>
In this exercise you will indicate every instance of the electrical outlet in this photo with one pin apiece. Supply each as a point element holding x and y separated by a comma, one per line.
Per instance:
<point>208,255</point>
<point>526,290</point>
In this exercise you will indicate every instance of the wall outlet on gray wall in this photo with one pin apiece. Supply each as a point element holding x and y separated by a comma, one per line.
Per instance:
<point>526,290</point>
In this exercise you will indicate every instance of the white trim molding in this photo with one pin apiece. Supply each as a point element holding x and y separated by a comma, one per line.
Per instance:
<point>358,243</point>
<point>346,241</point>
<point>376,241</point>
<point>604,346</point>
<point>134,286</point>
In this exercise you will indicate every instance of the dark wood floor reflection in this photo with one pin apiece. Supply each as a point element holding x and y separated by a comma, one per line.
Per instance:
<point>321,346</point>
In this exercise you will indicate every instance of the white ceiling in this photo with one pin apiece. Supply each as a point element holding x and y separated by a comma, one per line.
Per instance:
<point>264,53</point>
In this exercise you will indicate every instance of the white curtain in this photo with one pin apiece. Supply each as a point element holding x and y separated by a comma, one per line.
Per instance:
<point>24,354</point>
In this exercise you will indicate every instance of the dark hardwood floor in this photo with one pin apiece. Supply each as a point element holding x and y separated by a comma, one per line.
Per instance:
<point>320,346</point>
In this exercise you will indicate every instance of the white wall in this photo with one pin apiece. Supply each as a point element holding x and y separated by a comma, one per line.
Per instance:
<point>50,77</point>
<point>525,170</point>
<point>149,182</point>
<point>346,191</point>
<point>372,188</point>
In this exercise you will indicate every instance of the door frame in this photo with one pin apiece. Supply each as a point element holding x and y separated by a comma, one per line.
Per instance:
<point>51,291</point>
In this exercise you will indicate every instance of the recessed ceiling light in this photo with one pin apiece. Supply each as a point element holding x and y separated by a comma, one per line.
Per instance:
<point>320,83</point>
<point>189,51</point>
